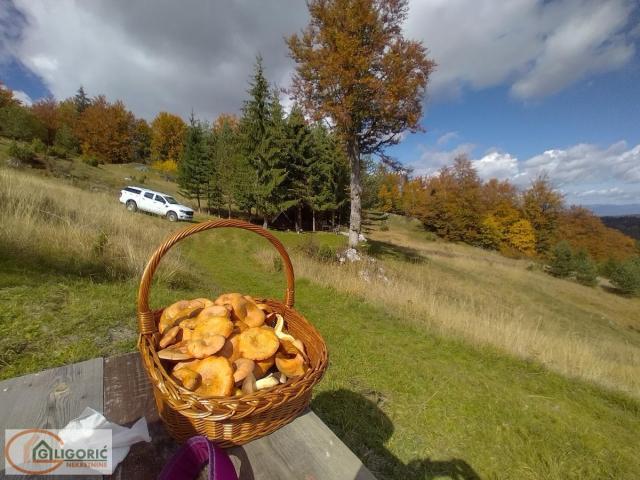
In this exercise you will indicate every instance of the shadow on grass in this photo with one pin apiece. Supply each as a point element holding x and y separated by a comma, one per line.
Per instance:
<point>364,428</point>
<point>376,248</point>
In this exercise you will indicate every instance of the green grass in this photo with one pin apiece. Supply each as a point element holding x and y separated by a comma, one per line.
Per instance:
<point>410,403</point>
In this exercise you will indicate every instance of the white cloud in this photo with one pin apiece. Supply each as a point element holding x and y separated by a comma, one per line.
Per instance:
<point>23,97</point>
<point>537,47</point>
<point>157,55</point>
<point>497,165</point>
<point>160,55</point>
<point>447,137</point>
<point>432,159</point>
<point>586,173</point>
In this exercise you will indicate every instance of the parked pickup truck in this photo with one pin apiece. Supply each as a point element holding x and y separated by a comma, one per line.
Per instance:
<point>136,198</point>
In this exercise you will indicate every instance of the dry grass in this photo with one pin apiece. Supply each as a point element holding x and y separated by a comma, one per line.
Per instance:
<point>72,230</point>
<point>486,299</point>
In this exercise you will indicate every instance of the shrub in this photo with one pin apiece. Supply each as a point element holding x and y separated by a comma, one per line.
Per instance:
<point>38,146</point>
<point>22,153</point>
<point>586,269</point>
<point>91,160</point>
<point>384,227</point>
<point>561,264</point>
<point>626,277</point>
<point>59,152</point>
<point>326,254</point>
<point>606,269</point>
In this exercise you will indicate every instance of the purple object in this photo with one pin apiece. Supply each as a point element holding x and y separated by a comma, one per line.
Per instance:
<point>187,462</point>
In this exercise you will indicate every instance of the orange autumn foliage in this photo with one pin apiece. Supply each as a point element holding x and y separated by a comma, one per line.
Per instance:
<point>585,231</point>
<point>106,130</point>
<point>167,137</point>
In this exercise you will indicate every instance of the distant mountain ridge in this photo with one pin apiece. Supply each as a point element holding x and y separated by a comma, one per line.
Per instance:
<point>603,210</point>
<point>627,224</point>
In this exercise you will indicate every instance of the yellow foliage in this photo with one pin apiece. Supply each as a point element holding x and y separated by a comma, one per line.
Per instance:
<point>167,166</point>
<point>521,236</point>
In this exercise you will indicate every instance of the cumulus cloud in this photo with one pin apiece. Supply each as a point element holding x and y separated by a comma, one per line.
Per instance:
<point>157,55</point>
<point>536,47</point>
<point>447,137</point>
<point>164,55</point>
<point>497,165</point>
<point>23,97</point>
<point>586,173</point>
<point>432,159</point>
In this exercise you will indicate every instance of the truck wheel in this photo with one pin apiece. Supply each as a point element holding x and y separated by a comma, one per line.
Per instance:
<point>131,206</point>
<point>172,217</point>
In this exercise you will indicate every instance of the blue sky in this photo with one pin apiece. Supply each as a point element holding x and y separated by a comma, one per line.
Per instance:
<point>522,87</point>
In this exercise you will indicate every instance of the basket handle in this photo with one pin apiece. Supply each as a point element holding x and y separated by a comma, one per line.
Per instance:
<point>146,320</point>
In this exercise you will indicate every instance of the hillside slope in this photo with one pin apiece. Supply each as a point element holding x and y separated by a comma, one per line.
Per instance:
<point>426,378</point>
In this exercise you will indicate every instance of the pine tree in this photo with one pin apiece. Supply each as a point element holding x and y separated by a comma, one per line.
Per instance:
<point>81,100</point>
<point>561,260</point>
<point>586,269</point>
<point>194,170</point>
<point>263,136</point>
<point>300,159</point>
<point>225,160</point>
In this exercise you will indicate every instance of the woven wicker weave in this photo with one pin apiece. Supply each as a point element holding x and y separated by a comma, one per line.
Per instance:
<point>228,421</point>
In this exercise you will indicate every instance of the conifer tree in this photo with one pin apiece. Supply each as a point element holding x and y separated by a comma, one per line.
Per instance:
<point>194,170</point>
<point>81,100</point>
<point>300,159</point>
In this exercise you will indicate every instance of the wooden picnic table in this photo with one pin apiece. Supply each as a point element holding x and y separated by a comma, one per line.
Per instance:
<point>119,388</point>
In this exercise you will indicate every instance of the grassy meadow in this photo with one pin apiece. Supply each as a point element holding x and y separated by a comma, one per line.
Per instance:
<point>445,361</point>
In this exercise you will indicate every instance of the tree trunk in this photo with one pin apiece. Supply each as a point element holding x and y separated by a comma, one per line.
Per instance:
<point>299,218</point>
<point>229,210</point>
<point>355,220</point>
<point>198,198</point>
<point>265,223</point>
<point>313,218</point>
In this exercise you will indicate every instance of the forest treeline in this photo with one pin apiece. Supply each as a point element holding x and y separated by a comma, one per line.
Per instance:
<point>457,205</point>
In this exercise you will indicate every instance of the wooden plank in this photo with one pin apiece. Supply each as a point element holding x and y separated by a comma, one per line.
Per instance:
<point>50,399</point>
<point>304,449</point>
<point>127,397</point>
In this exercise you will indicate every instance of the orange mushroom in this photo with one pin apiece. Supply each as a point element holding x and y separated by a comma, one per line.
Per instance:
<point>217,377</point>
<point>244,367</point>
<point>230,349</point>
<point>204,347</point>
<point>254,317</point>
<point>290,365</point>
<point>176,352</point>
<point>213,326</point>
<point>187,377</point>
<point>262,366</point>
<point>179,311</point>
<point>258,343</point>
<point>170,336</point>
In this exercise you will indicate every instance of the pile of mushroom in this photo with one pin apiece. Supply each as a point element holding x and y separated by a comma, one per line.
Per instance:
<point>230,346</point>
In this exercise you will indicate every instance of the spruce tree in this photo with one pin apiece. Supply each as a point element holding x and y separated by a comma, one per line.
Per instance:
<point>561,260</point>
<point>264,145</point>
<point>194,168</point>
<point>300,159</point>
<point>81,100</point>
<point>586,269</point>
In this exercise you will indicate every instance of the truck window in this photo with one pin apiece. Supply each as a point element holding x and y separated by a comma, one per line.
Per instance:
<point>160,199</point>
<point>149,195</point>
<point>132,190</point>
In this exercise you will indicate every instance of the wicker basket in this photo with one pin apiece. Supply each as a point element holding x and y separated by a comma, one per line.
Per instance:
<point>228,421</point>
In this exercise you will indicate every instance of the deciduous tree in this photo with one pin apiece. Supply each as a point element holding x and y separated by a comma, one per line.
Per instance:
<point>167,137</point>
<point>355,68</point>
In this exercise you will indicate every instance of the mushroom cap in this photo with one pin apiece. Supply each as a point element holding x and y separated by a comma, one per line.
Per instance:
<point>230,349</point>
<point>262,366</point>
<point>213,326</point>
<point>255,317</point>
<point>169,337</point>
<point>214,311</point>
<point>189,379</point>
<point>291,366</point>
<point>178,311</point>
<point>244,367</point>
<point>258,343</point>
<point>217,377</point>
<point>177,351</point>
<point>207,346</point>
